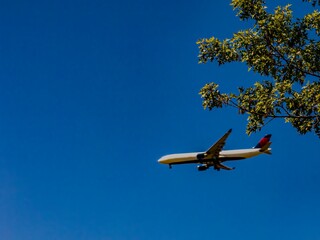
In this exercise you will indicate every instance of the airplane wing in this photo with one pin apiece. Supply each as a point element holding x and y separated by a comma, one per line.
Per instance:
<point>218,166</point>
<point>214,150</point>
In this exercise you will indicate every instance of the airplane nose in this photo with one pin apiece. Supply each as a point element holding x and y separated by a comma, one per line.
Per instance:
<point>161,160</point>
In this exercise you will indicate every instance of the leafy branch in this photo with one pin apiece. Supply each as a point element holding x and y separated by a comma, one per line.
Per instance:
<point>276,46</point>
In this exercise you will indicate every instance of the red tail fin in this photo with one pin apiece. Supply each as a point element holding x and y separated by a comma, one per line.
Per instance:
<point>263,141</point>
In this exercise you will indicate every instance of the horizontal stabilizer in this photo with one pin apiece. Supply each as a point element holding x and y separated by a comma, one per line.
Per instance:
<point>265,148</point>
<point>267,152</point>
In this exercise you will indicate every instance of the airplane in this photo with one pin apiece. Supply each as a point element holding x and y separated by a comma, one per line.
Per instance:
<point>215,156</point>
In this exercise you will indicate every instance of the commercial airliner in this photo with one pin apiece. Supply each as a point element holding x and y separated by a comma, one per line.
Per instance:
<point>215,156</point>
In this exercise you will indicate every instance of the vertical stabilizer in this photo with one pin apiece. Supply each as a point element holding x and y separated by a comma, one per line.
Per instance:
<point>263,141</point>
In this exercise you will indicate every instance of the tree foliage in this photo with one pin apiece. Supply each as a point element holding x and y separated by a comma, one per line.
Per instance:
<point>285,52</point>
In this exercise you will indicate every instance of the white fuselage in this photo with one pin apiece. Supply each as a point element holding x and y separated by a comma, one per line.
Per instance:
<point>227,155</point>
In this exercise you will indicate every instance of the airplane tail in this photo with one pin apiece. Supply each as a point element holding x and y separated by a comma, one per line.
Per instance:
<point>264,144</point>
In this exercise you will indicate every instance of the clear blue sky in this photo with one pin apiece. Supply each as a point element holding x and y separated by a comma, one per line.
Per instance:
<point>93,92</point>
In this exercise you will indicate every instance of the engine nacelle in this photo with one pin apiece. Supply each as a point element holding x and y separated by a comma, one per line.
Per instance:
<point>203,167</point>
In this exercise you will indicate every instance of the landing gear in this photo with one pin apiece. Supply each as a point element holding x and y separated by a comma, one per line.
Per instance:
<point>170,166</point>
<point>215,167</point>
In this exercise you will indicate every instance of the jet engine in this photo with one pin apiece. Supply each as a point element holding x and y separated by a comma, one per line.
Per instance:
<point>203,167</point>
